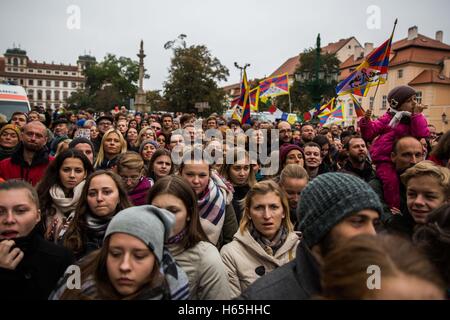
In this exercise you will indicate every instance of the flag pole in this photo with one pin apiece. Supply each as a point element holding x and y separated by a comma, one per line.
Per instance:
<point>392,36</point>
<point>289,94</point>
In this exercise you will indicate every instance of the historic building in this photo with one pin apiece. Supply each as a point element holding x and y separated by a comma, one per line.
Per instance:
<point>47,84</point>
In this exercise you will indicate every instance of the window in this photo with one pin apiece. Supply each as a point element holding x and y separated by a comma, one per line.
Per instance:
<point>57,83</point>
<point>371,102</point>
<point>8,69</point>
<point>74,73</point>
<point>39,94</point>
<point>400,73</point>
<point>65,84</point>
<point>39,71</point>
<point>21,82</point>
<point>30,82</point>
<point>9,60</point>
<point>66,73</point>
<point>39,83</point>
<point>15,62</point>
<point>48,83</point>
<point>48,95</point>
<point>350,110</point>
<point>30,94</point>
<point>419,97</point>
<point>384,103</point>
<point>65,95</point>
<point>74,84</point>
<point>56,95</point>
<point>30,70</point>
<point>56,72</point>
<point>48,71</point>
<point>15,69</point>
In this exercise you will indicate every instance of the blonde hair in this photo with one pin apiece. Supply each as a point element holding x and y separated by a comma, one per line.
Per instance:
<point>141,135</point>
<point>130,160</point>
<point>101,152</point>
<point>262,188</point>
<point>293,171</point>
<point>428,168</point>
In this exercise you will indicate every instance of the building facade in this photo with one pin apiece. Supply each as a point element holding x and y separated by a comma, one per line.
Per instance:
<point>47,85</point>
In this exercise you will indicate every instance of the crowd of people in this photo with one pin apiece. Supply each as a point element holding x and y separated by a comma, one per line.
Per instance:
<point>125,197</point>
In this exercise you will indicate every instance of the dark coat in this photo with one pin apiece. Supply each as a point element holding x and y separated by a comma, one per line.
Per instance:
<point>37,274</point>
<point>367,173</point>
<point>296,280</point>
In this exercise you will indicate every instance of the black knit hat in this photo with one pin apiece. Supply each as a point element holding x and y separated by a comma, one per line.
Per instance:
<point>399,95</point>
<point>330,198</point>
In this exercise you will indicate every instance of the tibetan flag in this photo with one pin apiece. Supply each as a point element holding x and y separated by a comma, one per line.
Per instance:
<point>273,87</point>
<point>309,114</point>
<point>337,115</point>
<point>323,117</point>
<point>244,102</point>
<point>358,109</point>
<point>328,106</point>
<point>254,99</point>
<point>373,71</point>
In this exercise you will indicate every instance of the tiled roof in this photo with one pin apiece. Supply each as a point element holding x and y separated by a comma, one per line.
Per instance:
<point>37,65</point>
<point>420,41</point>
<point>336,46</point>
<point>430,76</point>
<point>288,67</point>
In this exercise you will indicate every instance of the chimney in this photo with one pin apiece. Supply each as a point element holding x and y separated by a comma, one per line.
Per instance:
<point>368,48</point>
<point>412,33</point>
<point>358,52</point>
<point>439,36</point>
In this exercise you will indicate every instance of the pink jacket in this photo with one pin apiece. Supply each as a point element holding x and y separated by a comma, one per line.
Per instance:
<point>382,146</point>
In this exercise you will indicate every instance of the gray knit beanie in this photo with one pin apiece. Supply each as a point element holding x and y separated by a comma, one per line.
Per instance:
<point>330,198</point>
<point>148,223</point>
<point>399,95</point>
<point>145,142</point>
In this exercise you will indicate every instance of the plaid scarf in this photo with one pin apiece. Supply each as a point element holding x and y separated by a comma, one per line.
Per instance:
<point>212,208</point>
<point>269,246</point>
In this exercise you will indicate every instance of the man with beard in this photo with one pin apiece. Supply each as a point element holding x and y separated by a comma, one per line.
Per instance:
<point>285,132</point>
<point>358,163</point>
<point>31,159</point>
<point>406,153</point>
<point>307,134</point>
<point>334,208</point>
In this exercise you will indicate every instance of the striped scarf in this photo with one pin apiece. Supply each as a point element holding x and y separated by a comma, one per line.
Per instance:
<point>212,206</point>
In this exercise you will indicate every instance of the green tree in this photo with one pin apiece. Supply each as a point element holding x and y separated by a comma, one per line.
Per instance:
<point>193,77</point>
<point>305,94</point>
<point>156,101</point>
<point>108,83</point>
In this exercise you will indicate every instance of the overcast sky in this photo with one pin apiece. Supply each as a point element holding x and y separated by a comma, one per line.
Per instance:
<point>263,33</point>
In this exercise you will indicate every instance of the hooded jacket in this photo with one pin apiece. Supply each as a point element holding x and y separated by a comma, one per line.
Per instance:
<point>138,195</point>
<point>245,259</point>
<point>17,168</point>
<point>381,149</point>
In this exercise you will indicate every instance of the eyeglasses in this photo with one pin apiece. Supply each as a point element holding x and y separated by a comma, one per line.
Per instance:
<point>131,179</point>
<point>155,128</point>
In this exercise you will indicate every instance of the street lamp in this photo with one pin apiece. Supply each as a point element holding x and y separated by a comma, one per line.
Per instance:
<point>241,68</point>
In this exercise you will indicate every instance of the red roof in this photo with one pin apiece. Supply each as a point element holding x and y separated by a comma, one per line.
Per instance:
<point>420,41</point>
<point>334,47</point>
<point>289,67</point>
<point>430,76</point>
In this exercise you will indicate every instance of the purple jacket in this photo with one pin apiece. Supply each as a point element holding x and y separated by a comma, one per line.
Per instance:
<point>382,146</point>
<point>139,194</point>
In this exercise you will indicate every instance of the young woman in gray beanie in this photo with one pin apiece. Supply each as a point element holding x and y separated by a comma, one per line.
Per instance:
<point>404,118</point>
<point>129,264</point>
<point>188,243</point>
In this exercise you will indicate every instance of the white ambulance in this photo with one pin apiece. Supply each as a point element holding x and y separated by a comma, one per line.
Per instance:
<point>13,98</point>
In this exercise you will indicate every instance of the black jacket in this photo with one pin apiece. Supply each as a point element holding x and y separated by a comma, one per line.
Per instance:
<point>296,280</point>
<point>37,274</point>
<point>367,173</point>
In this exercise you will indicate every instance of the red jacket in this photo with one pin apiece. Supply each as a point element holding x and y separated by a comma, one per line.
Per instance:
<point>17,168</point>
